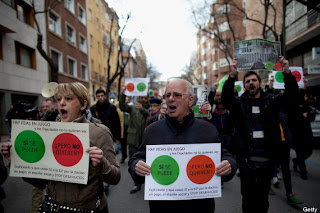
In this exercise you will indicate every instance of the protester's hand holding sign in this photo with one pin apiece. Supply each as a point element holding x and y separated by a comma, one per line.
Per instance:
<point>142,169</point>
<point>233,67</point>
<point>5,150</point>
<point>285,64</point>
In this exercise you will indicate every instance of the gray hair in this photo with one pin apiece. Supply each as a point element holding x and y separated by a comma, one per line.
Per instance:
<point>189,86</point>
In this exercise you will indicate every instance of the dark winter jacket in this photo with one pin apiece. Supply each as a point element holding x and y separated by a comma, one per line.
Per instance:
<point>241,110</point>
<point>170,131</point>
<point>108,115</point>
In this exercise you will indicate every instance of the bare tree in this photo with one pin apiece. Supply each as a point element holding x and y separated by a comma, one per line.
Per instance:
<point>49,4</point>
<point>210,24</point>
<point>153,76</point>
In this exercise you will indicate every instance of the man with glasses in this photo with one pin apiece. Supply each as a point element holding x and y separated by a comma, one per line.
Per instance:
<point>139,113</point>
<point>180,127</point>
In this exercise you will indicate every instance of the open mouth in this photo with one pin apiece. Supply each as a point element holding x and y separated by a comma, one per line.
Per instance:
<point>251,88</point>
<point>172,108</point>
<point>63,112</point>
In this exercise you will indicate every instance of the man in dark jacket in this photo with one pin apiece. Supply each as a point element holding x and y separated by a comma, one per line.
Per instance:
<point>180,127</point>
<point>107,113</point>
<point>257,134</point>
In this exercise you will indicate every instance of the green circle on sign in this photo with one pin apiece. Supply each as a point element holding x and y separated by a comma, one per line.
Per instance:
<point>238,88</point>
<point>141,87</point>
<point>279,77</point>
<point>150,93</point>
<point>29,146</point>
<point>269,65</point>
<point>195,109</point>
<point>165,170</point>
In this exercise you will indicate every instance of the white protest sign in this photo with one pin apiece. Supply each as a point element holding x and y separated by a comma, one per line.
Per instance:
<point>278,77</point>
<point>50,150</point>
<point>239,87</point>
<point>136,86</point>
<point>201,96</point>
<point>183,171</point>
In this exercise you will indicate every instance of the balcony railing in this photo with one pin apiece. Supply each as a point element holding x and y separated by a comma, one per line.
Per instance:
<point>302,24</point>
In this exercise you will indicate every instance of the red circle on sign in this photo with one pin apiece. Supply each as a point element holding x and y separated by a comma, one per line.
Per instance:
<point>130,87</point>
<point>67,149</point>
<point>200,169</point>
<point>278,66</point>
<point>202,110</point>
<point>297,74</point>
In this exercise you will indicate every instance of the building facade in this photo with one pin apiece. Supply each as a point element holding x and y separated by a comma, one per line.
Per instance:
<point>103,34</point>
<point>23,71</point>
<point>302,40</point>
<point>67,40</point>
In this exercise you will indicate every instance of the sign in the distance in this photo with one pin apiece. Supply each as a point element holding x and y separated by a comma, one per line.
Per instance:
<point>136,86</point>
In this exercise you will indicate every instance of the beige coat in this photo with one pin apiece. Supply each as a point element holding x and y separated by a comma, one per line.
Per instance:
<point>86,196</point>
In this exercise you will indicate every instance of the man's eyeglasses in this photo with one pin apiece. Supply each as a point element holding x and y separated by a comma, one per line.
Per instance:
<point>176,95</point>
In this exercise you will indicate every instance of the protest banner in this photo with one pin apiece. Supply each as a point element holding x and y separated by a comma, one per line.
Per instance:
<point>136,86</point>
<point>200,97</point>
<point>50,150</point>
<point>296,72</point>
<point>183,171</point>
<point>257,54</point>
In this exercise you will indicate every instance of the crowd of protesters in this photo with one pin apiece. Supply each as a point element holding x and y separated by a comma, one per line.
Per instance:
<point>256,130</point>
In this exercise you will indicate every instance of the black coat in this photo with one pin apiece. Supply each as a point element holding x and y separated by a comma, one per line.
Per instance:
<point>270,105</point>
<point>170,131</point>
<point>108,115</point>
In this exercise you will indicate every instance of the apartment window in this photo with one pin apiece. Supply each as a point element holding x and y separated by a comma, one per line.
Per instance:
<point>215,66</point>
<point>97,23</point>
<point>54,23</point>
<point>97,3</point>
<point>98,47</point>
<point>92,66</point>
<point>90,15</point>
<point>106,14</point>
<point>224,62</point>
<point>269,35</point>
<point>1,53</point>
<point>224,9</point>
<point>244,22</point>
<point>71,35</point>
<point>84,72</point>
<point>72,67</point>
<point>93,94</point>
<point>8,2</point>
<point>57,58</point>
<point>25,56</point>
<point>24,12</point>
<point>82,15</point>
<point>70,5</point>
<point>223,27</point>
<point>91,40</point>
<point>83,44</point>
<point>294,11</point>
<point>243,3</point>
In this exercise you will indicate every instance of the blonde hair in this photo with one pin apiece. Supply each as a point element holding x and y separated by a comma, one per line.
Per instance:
<point>78,90</point>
